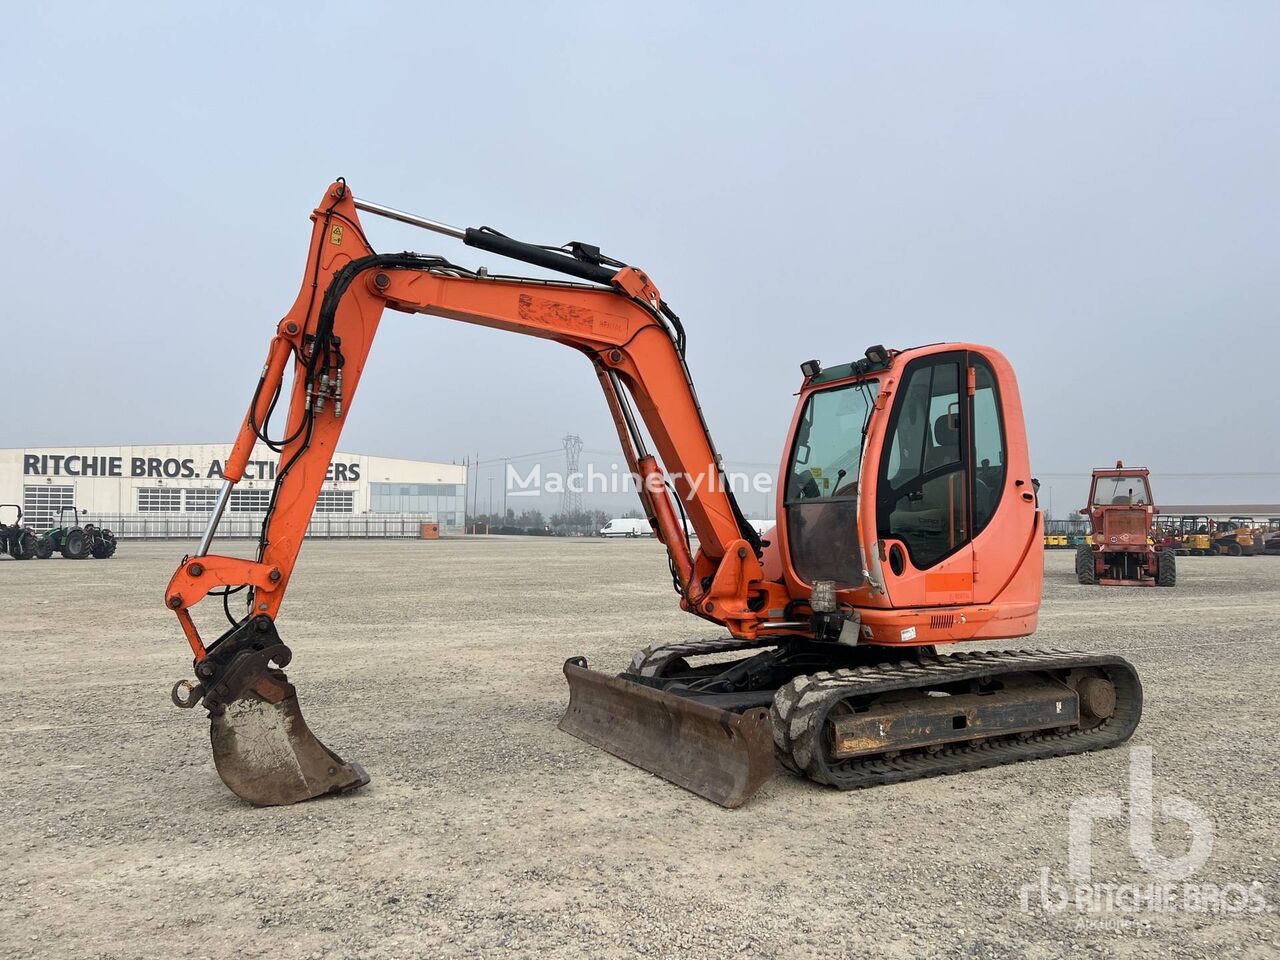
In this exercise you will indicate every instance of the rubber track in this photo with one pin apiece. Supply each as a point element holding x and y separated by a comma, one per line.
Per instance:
<point>801,706</point>
<point>651,659</point>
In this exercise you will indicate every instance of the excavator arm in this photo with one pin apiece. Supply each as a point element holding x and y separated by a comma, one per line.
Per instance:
<point>616,317</point>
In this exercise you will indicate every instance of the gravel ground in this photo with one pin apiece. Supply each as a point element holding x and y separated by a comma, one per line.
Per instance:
<point>486,832</point>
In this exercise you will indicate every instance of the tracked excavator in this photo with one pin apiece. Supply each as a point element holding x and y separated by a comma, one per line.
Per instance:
<point>908,520</point>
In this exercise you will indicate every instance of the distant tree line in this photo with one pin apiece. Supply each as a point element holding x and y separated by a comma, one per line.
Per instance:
<point>532,523</point>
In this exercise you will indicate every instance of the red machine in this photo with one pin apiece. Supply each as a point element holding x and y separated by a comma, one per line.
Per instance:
<point>1122,550</point>
<point>907,519</point>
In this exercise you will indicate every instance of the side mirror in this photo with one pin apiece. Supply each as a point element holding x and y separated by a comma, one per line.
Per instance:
<point>1083,511</point>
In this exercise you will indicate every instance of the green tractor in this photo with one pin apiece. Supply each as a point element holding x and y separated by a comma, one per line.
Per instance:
<point>17,539</point>
<point>75,542</point>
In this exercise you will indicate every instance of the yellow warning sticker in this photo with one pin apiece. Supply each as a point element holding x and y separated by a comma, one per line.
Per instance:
<point>335,234</point>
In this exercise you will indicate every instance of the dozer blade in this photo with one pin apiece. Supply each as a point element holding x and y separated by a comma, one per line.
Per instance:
<point>723,756</point>
<point>266,754</point>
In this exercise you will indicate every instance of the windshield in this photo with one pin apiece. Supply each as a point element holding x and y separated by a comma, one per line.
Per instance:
<point>822,484</point>
<point>828,449</point>
<point>1122,491</point>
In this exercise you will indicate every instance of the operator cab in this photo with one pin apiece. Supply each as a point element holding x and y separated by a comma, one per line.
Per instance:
<point>908,449</point>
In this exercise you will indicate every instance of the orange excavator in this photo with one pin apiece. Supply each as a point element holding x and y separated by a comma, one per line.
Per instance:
<point>908,520</point>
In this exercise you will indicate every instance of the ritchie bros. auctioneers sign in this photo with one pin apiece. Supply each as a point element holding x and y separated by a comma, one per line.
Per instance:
<point>168,468</point>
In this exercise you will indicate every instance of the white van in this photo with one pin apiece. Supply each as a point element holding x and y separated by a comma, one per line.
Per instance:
<point>638,528</point>
<point>626,528</point>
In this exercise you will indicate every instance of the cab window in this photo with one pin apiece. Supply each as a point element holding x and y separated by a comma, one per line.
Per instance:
<point>922,494</point>
<point>988,445</point>
<point>821,491</point>
<point>1122,491</point>
<point>827,454</point>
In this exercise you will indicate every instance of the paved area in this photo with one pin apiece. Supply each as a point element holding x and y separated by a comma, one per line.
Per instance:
<point>487,833</point>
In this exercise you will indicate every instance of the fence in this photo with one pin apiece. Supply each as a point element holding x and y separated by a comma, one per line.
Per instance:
<point>1066,527</point>
<point>136,526</point>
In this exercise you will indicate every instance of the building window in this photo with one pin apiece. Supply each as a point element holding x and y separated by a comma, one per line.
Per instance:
<point>200,499</point>
<point>444,502</point>
<point>336,501</point>
<point>41,505</point>
<point>420,489</point>
<point>250,501</point>
<point>159,499</point>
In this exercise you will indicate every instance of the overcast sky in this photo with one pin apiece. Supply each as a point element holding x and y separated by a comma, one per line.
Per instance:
<point>1092,188</point>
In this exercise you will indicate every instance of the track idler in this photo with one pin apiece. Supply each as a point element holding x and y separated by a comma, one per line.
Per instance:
<point>717,754</point>
<point>262,748</point>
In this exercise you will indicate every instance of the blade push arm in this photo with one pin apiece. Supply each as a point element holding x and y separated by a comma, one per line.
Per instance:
<point>326,336</point>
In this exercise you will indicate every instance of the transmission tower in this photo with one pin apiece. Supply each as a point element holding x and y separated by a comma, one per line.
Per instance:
<point>571,500</point>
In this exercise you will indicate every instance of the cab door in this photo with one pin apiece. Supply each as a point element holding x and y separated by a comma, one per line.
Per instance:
<point>924,490</point>
<point>1004,504</point>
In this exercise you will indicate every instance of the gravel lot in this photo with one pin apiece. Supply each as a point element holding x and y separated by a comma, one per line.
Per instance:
<point>486,832</point>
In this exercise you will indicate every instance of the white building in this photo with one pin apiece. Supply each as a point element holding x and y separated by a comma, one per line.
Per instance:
<point>169,489</point>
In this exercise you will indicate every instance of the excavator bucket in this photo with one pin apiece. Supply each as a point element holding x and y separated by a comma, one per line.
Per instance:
<point>717,754</point>
<point>265,753</point>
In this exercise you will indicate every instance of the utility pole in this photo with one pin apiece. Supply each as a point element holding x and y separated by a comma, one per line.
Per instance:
<point>571,500</point>
<point>506,469</point>
<point>475,499</point>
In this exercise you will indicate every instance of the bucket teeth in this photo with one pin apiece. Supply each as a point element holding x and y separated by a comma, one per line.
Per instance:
<point>717,754</point>
<point>265,753</point>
